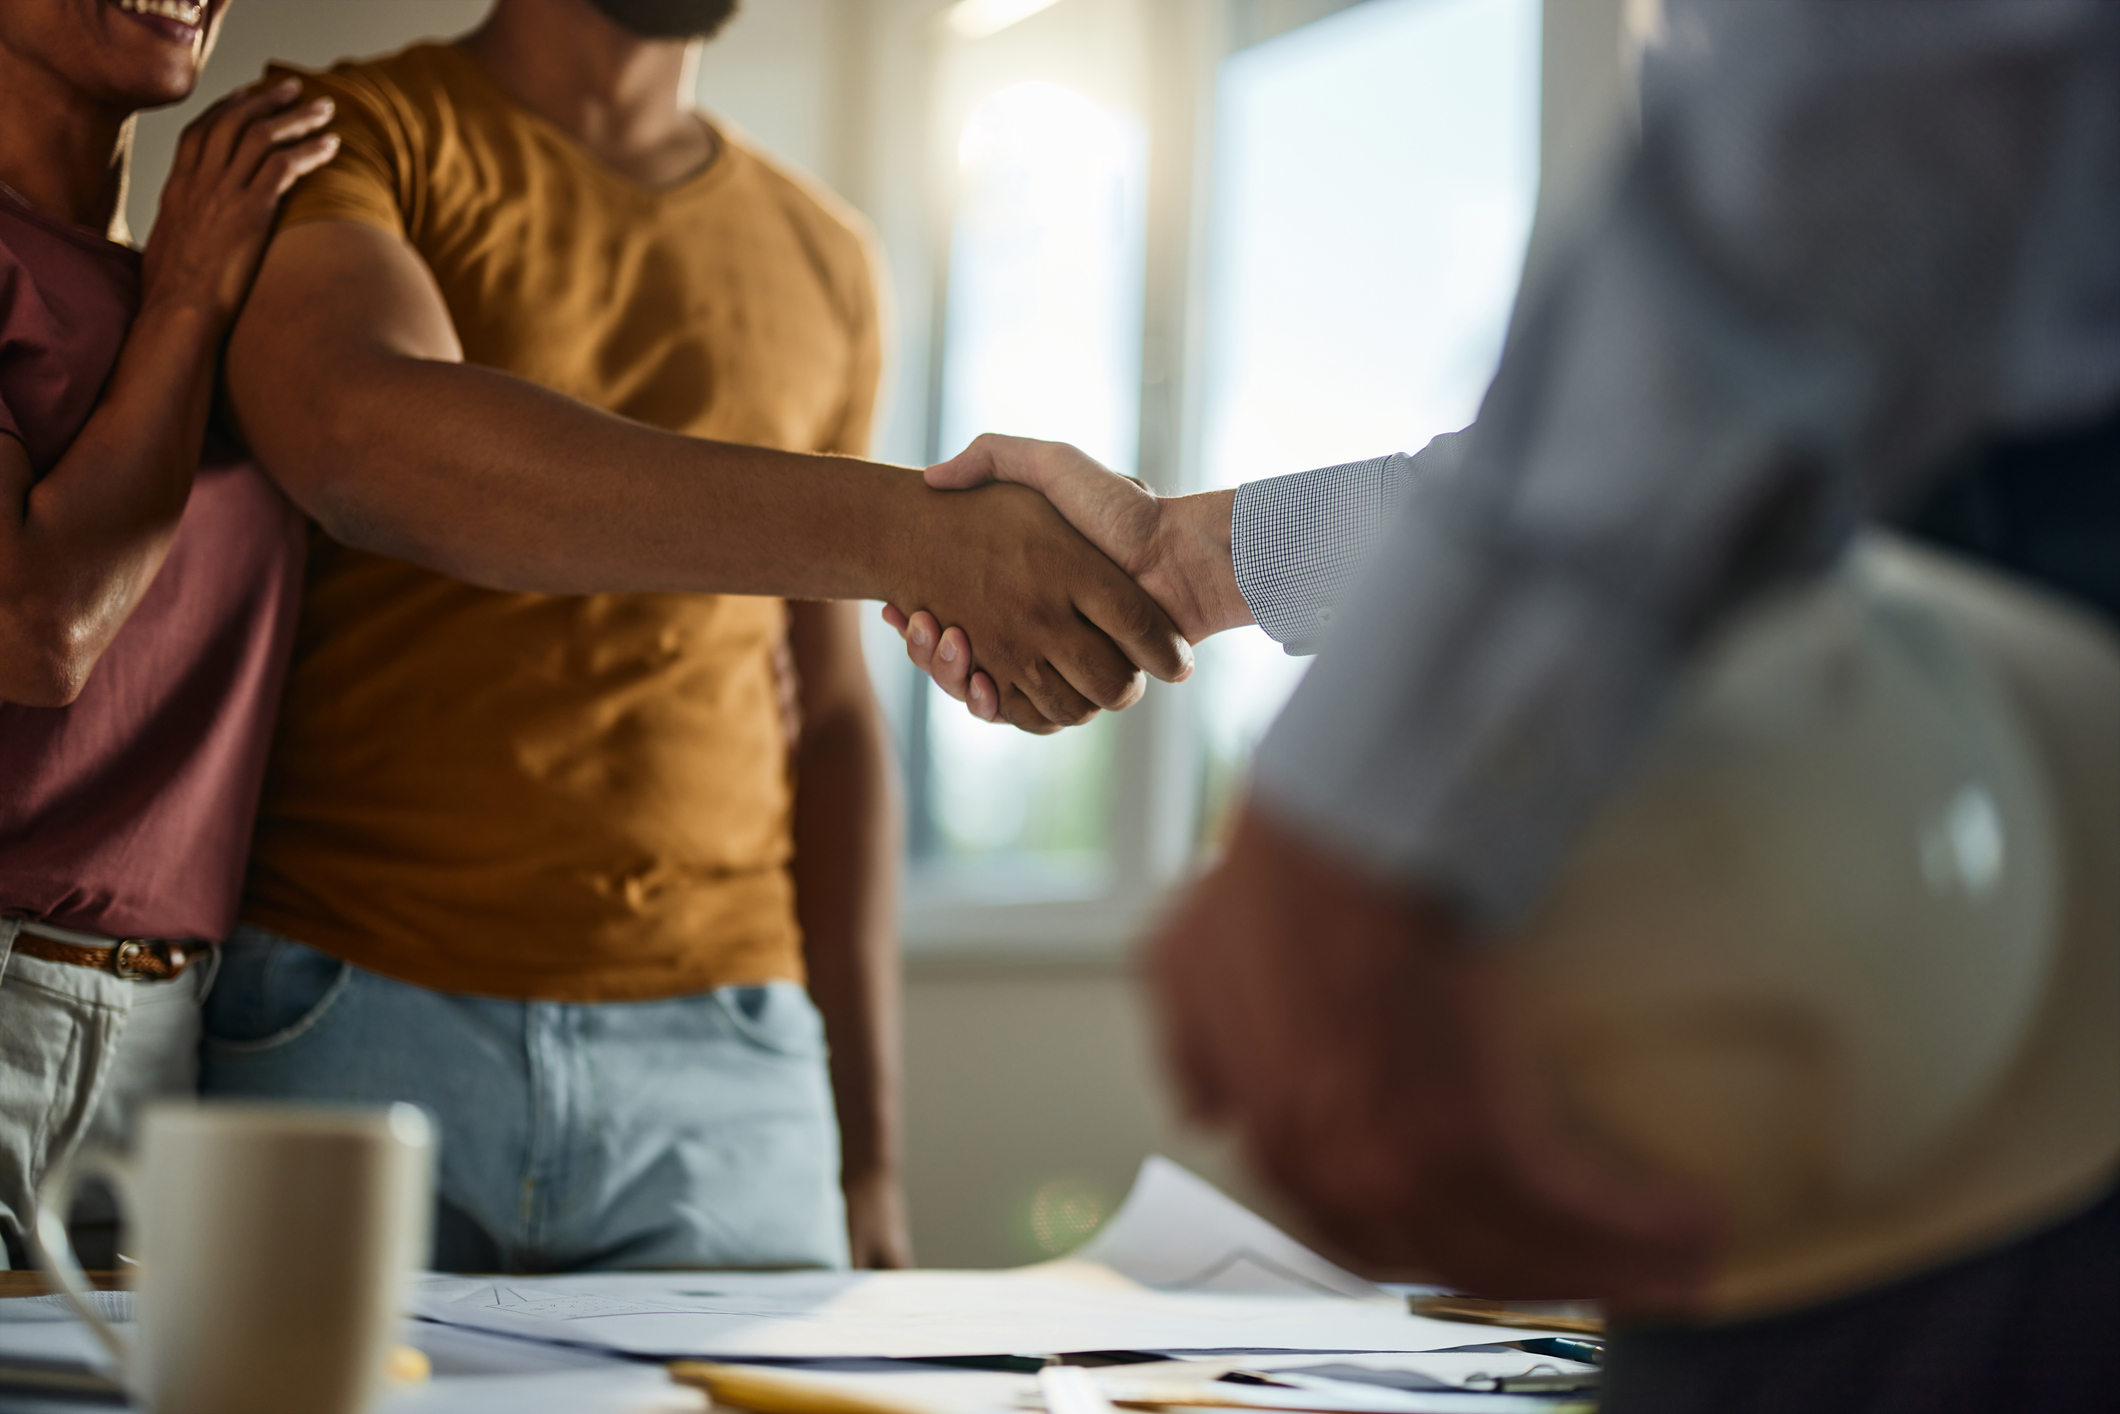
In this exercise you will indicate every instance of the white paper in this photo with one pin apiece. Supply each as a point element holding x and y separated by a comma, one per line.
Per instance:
<point>618,1389</point>
<point>474,1372</point>
<point>916,1315</point>
<point>1177,1232</point>
<point>1179,1268</point>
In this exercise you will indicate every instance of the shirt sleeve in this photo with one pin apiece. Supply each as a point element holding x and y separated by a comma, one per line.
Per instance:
<point>1296,540</point>
<point>1852,237</point>
<point>373,179</point>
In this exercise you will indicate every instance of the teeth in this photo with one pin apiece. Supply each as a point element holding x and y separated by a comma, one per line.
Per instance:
<point>178,10</point>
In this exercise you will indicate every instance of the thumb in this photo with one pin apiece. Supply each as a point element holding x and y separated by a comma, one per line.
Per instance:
<point>974,466</point>
<point>994,457</point>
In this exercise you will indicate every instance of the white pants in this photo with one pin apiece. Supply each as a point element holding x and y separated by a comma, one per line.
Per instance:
<point>79,1051</point>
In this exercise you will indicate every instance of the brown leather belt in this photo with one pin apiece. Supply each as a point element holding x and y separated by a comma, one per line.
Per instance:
<point>130,959</point>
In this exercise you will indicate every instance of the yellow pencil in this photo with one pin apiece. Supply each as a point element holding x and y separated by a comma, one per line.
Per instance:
<point>778,1392</point>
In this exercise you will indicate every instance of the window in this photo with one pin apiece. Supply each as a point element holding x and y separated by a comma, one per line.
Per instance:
<point>1042,337</point>
<point>1375,174</point>
<point>1368,184</point>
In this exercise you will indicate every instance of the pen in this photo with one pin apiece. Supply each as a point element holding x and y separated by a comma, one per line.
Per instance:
<point>1574,1317</point>
<point>774,1392</point>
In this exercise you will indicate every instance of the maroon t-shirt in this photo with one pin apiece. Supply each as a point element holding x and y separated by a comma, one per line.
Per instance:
<point>129,812</point>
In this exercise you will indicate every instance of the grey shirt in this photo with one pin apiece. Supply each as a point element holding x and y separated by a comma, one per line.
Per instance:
<point>1855,235</point>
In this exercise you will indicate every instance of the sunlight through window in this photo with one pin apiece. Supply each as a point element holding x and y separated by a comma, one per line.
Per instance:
<point>1375,177</point>
<point>1043,339</point>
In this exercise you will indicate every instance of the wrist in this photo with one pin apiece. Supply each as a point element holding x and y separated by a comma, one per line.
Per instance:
<point>1192,571</point>
<point>183,313</point>
<point>896,539</point>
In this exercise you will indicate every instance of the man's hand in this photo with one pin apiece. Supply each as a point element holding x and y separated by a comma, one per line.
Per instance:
<point>1051,613</point>
<point>233,164</point>
<point>878,1236</point>
<point>1359,1042</point>
<point>1177,548</point>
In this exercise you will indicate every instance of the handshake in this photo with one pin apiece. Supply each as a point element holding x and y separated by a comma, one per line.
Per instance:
<point>1073,637</point>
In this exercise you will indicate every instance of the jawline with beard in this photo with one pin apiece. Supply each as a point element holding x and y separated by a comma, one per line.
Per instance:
<point>669,19</point>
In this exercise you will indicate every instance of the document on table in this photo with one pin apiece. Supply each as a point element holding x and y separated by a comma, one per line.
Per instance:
<point>474,1372</point>
<point>1177,1232</point>
<point>1231,1282</point>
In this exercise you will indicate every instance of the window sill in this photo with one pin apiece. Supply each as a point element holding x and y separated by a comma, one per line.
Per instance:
<point>949,937</point>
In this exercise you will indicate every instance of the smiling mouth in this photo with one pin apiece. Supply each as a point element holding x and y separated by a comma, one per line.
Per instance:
<point>180,12</point>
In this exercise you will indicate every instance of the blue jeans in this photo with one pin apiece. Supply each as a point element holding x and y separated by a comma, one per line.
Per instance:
<point>693,1132</point>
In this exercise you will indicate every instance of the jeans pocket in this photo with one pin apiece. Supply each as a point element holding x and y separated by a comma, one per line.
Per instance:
<point>777,1016</point>
<point>270,992</point>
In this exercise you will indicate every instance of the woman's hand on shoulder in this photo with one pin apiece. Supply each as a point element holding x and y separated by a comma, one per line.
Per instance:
<point>233,164</point>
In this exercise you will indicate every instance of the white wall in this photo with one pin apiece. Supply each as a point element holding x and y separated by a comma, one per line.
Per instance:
<point>311,33</point>
<point>1021,1080</point>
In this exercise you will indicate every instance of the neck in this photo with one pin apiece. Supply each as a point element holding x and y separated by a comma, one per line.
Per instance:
<point>62,152</point>
<point>624,98</point>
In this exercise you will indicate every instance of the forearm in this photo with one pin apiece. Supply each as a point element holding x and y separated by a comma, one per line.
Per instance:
<point>79,547</point>
<point>1190,569</point>
<point>847,840</point>
<point>502,483</point>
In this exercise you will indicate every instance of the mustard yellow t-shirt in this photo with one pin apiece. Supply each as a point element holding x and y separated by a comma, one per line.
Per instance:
<point>568,798</point>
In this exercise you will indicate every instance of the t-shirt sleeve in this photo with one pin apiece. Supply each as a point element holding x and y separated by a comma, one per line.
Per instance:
<point>371,179</point>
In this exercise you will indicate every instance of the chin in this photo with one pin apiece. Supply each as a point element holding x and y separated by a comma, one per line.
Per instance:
<point>159,47</point>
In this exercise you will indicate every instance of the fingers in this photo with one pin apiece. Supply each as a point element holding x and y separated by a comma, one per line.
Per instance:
<point>290,164</point>
<point>232,122</point>
<point>947,659</point>
<point>1137,625</point>
<point>1075,684</point>
<point>974,466</point>
<point>952,668</point>
<point>1028,461</point>
<point>268,136</point>
<point>1025,715</point>
<point>192,144</point>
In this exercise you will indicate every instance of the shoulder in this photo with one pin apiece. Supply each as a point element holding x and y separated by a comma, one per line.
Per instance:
<point>401,90</point>
<point>839,239</point>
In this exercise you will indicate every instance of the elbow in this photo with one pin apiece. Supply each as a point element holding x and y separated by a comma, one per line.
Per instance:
<point>48,665</point>
<point>324,457</point>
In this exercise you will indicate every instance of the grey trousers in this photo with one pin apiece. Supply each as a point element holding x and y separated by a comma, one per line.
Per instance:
<point>80,1050</point>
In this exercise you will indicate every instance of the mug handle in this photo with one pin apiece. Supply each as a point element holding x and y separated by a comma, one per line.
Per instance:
<point>55,1252</point>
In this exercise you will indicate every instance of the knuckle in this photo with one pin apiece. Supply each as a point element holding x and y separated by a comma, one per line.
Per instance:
<point>1135,615</point>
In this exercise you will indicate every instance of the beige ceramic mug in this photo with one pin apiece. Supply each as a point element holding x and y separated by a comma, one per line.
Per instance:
<point>273,1242</point>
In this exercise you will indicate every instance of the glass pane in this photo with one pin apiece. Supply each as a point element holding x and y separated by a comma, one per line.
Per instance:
<point>1043,338</point>
<point>1375,176</point>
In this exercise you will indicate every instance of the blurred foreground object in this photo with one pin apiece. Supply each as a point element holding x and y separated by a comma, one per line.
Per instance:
<point>1847,951</point>
<point>1829,994</point>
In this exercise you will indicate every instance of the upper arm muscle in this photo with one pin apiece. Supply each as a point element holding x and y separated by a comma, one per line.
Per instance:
<point>333,299</point>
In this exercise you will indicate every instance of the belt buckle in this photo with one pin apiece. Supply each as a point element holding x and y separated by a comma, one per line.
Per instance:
<point>123,964</point>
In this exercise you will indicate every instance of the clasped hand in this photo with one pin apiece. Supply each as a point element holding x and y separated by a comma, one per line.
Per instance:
<point>1177,549</point>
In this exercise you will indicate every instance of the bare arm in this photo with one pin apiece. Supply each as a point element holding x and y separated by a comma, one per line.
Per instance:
<point>349,383</point>
<point>80,547</point>
<point>848,837</point>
